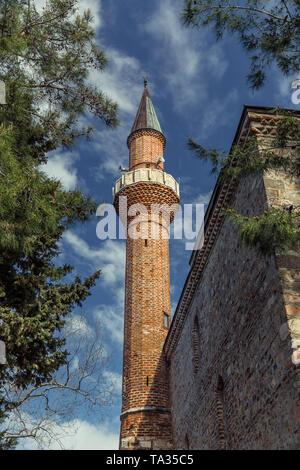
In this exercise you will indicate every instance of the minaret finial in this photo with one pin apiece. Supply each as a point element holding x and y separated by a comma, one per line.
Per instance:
<point>145,82</point>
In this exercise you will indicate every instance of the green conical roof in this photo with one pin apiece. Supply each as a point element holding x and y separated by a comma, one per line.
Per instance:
<point>146,116</point>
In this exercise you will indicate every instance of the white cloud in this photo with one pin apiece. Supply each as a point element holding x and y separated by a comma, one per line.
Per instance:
<point>115,379</point>
<point>90,437</point>
<point>204,64</point>
<point>77,325</point>
<point>61,167</point>
<point>112,320</point>
<point>203,198</point>
<point>186,58</point>
<point>218,113</point>
<point>110,257</point>
<point>80,435</point>
<point>119,80</point>
<point>111,146</point>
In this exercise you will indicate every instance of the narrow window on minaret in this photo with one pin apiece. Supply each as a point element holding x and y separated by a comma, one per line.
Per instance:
<point>146,242</point>
<point>166,321</point>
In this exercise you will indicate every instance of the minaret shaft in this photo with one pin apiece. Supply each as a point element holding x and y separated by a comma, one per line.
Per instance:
<point>145,149</point>
<point>147,300</point>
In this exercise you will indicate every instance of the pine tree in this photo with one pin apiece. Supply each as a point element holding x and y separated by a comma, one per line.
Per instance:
<point>45,59</point>
<point>269,31</point>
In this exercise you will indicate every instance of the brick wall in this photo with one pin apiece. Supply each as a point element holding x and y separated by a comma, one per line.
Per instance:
<point>145,146</point>
<point>247,309</point>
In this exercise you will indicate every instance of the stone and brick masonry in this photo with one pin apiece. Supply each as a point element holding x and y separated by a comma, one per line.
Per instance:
<point>225,375</point>
<point>245,307</point>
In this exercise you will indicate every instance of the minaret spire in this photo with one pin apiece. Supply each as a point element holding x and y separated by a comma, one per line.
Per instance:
<point>146,116</point>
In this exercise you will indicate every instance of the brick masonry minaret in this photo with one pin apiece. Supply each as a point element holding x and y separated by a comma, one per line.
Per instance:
<point>145,417</point>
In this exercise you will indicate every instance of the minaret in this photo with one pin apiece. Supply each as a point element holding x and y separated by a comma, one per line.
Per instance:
<point>145,417</point>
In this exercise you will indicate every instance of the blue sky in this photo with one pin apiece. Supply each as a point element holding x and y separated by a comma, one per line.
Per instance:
<point>198,88</point>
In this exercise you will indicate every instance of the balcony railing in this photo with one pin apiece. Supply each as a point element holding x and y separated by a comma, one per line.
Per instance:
<point>145,175</point>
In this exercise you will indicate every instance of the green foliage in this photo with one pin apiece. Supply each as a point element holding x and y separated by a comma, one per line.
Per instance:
<point>269,31</point>
<point>276,229</point>
<point>45,60</point>
<point>34,212</point>
<point>213,156</point>
<point>254,157</point>
<point>32,205</point>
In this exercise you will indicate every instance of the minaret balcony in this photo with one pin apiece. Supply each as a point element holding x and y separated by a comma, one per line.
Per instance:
<point>146,175</point>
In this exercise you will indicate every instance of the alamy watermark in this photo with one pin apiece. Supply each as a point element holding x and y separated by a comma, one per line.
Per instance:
<point>295,86</point>
<point>140,222</point>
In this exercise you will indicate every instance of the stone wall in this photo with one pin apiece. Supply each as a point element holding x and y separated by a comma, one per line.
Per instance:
<point>247,309</point>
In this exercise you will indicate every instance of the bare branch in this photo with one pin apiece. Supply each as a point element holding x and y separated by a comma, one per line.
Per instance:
<point>41,412</point>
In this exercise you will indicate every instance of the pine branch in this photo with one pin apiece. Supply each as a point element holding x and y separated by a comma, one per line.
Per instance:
<point>242,8</point>
<point>47,20</point>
